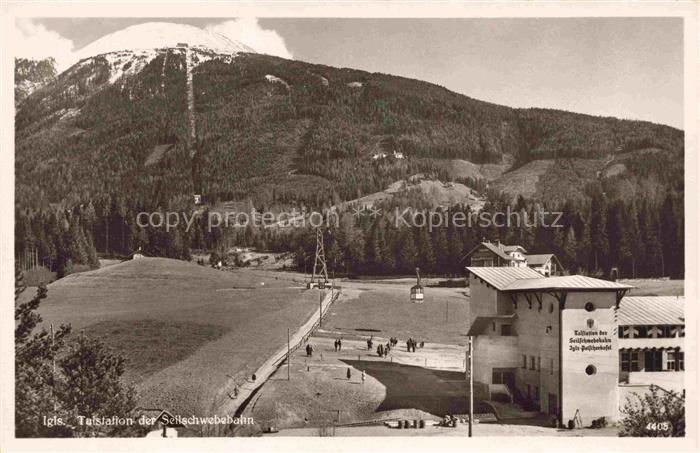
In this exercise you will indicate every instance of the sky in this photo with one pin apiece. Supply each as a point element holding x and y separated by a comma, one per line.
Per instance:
<point>624,67</point>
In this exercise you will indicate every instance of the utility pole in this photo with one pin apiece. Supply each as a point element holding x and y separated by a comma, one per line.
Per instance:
<point>53,369</point>
<point>320,307</point>
<point>471,386</point>
<point>289,354</point>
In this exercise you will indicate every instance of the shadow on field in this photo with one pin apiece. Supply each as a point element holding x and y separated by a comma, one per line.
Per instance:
<point>438,392</point>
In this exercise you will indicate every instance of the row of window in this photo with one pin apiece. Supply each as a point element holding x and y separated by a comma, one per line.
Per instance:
<point>664,331</point>
<point>652,360</point>
<point>536,363</point>
<point>589,307</point>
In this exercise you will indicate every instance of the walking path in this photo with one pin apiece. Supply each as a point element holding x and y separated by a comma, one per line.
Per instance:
<point>265,370</point>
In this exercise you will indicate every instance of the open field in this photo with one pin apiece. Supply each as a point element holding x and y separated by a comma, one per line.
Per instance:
<point>190,333</point>
<point>384,309</point>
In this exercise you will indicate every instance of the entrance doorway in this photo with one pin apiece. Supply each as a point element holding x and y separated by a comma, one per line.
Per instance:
<point>504,376</point>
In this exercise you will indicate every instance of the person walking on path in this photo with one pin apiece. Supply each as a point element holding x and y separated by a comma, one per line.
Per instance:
<point>363,376</point>
<point>340,344</point>
<point>348,374</point>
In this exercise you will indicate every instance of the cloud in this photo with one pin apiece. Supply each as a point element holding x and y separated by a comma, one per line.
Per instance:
<point>249,32</point>
<point>34,41</point>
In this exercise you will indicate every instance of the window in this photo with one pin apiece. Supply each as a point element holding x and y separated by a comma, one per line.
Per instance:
<point>527,393</point>
<point>551,308</point>
<point>537,392</point>
<point>634,361</point>
<point>671,361</point>
<point>539,363</point>
<point>624,361</point>
<point>655,332</point>
<point>506,330</point>
<point>590,370</point>
<point>494,326</point>
<point>524,361</point>
<point>653,360</point>
<point>674,361</point>
<point>551,366</point>
<point>622,332</point>
<point>639,332</point>
<point>532,362</point>
<point>589,306</point>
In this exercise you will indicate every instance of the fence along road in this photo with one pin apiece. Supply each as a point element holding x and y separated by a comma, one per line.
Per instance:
<point>265,370</point>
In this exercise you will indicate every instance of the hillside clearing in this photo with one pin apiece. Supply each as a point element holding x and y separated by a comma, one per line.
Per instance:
<point>221,325</point>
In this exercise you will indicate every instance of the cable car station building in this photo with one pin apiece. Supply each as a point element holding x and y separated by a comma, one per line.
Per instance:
<point>555,341</point>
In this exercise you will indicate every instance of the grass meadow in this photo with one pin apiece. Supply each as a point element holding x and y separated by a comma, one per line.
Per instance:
<point>188,332</point>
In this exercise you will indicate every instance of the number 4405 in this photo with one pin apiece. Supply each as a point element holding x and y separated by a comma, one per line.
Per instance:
<point>658,426</point>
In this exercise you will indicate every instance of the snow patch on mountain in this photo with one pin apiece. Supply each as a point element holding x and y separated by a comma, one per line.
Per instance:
<point>156,35</point>
<point>274,79</point>
<point>128,62</point>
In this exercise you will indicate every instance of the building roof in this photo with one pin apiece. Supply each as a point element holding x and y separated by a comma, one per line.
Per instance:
<point>497,248</point>
<point>538,260</point>
<point>501,277</point>
<point>648,310</point>
<point>568,282</point>
<point>513,279</point>
<point>512,248</point>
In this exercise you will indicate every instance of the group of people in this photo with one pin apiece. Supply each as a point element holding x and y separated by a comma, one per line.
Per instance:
<point>384,350</point>
<point>411,345</point>
<point>363,376</point>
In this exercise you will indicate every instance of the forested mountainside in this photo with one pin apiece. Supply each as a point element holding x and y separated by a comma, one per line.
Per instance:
<point>31,75</point>
<point>109,135</point>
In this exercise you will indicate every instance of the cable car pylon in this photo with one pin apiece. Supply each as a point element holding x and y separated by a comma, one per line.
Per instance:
<point>319,274</point>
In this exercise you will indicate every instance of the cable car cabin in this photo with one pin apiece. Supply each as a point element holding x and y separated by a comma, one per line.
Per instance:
<point>417,294</point>
<point>417,291</point>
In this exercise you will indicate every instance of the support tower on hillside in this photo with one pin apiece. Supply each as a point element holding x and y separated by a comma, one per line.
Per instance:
<point>319,275</point>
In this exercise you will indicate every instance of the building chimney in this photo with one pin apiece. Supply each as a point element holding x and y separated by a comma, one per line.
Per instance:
<point>498,243</point>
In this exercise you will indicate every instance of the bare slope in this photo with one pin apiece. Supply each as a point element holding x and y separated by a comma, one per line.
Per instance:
<point>188,331</point>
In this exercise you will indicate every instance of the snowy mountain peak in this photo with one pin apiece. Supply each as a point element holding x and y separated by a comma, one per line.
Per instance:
<point>156,35</point>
